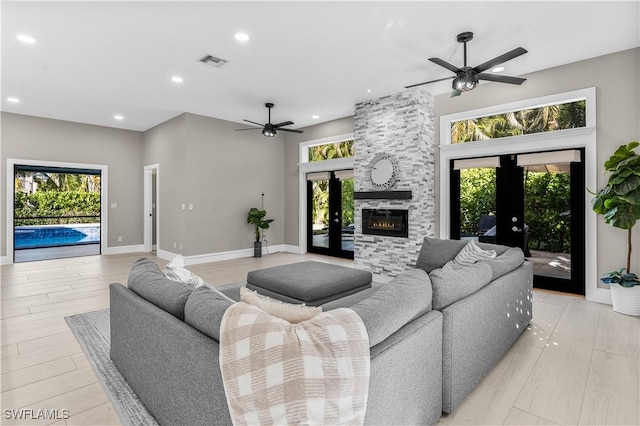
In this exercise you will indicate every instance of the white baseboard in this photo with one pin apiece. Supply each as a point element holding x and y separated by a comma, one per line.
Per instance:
<point>124,249</point>
<point>166,255</point>
<point>291,249</point>
<point>190,260</point>
<point>226,255</point>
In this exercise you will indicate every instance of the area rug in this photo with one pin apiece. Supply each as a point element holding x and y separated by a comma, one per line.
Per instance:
<point>92,332</point>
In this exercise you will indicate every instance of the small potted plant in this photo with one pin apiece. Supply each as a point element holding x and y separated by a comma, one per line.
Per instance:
<point>619,203</point>
<point>256,218</point>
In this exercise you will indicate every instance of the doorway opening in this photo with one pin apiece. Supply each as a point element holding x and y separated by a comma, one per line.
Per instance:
<point>151,205</point>
<point>330,213</point>
<point>534,201</point>
<point>56,212</point>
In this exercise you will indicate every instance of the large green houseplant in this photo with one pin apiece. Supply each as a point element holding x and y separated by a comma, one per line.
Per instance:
<point>256,218</point>
<point>619,203</point>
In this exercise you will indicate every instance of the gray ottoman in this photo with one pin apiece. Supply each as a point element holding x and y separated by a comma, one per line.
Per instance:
<point>312,283</point>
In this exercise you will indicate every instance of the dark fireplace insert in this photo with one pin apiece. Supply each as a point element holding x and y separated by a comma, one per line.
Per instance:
<point>387,222</point>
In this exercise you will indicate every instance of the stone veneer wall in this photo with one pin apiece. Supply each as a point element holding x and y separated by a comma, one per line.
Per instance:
<point>402,124</point>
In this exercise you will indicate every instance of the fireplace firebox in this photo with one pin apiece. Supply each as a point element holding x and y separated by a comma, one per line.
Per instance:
<point>386,222</point>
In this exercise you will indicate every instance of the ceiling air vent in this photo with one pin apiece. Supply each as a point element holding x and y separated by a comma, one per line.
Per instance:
<point>212,61</point>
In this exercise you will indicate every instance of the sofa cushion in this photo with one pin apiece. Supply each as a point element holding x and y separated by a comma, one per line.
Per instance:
<point>453,282</point>
<point>147,281</point>
<point>204,310</point>
<point>293,313</point>
<point>505,263</point>
<point>395,304</point>
<point>471,253</point>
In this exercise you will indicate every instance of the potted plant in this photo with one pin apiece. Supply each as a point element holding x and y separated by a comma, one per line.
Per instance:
<point>256,218</point>
<point>619,203</point>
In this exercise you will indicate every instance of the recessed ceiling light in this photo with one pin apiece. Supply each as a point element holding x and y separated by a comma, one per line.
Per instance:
<point>368,90</point>
<point>26,39</point>
<point>315,117</point>
<point>497,69</point>
<point>118,117</point>
<point>176,79</point>
<point>242,36</point>
<point>14,100</point>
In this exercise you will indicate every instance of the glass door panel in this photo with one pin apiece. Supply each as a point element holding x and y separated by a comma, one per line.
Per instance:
<point>347,221</point>
<point>320,213</point>
<point>531,201</point>
<point>330,212</point>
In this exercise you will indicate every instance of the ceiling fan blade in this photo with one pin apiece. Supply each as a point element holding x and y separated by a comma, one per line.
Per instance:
<point>500,59</point>
<point>284,123</point>
<point>432,81</point>
<point>501,78</point>
<point>445,64</point>
<point>252,128</point>
<point>290,130</point>
<point>455,93</point>
<point>253,122</point>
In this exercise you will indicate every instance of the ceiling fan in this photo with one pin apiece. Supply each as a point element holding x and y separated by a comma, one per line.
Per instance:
<point>466,78</point>
<point>269,130</point>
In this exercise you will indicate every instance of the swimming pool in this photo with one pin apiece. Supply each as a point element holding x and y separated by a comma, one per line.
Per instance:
<point>55,235</point>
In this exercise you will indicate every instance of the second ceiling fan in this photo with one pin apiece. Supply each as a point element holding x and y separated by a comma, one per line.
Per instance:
<point>270,130</point>
<point>466,78</point>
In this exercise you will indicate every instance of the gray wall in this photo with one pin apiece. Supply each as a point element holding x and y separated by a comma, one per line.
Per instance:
<point>34,138</point>
<point>616,78</point>
<point>205,162</point>
<point>291,158</point>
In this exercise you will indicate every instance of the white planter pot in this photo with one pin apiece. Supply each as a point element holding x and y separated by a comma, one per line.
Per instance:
<point>626,300</point>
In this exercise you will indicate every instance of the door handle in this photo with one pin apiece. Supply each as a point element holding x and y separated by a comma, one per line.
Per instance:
<point>516,229</point>
<point>336,220</point>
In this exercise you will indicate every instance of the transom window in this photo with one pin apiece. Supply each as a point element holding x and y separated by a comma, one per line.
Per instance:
<point>547,118</point>
<point>330,151</point>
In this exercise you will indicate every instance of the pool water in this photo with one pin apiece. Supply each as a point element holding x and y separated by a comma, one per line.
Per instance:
<point>55,235</point>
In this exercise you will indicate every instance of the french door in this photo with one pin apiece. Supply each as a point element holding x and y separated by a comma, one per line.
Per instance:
<point>534,201</point>
<point>330,211</point>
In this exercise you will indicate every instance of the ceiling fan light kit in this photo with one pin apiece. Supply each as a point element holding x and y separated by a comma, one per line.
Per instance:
<point>467,78</point>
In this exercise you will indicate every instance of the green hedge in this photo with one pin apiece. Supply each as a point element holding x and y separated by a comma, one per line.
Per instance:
<point>53,203</point>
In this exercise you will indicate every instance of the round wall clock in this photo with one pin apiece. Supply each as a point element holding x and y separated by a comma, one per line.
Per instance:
<point>383,171</point>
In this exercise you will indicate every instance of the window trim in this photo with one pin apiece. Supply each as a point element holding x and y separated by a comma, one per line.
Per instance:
<point>588,95</point>
<point>583,137</point>
<point>303,156</point>
<point>305,166</point>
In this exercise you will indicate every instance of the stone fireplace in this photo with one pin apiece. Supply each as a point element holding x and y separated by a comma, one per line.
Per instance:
<point>402,125</point>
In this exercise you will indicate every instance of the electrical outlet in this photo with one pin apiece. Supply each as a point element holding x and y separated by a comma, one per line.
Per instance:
<point>119,237</point>
<point>174,244</point>
<point>180,246</point>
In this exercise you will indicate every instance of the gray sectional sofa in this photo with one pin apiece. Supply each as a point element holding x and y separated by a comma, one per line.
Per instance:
<point>434,333</point>
<point>164,341</point>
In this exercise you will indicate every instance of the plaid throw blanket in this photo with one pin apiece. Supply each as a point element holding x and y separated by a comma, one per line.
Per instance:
<point>315,372</point>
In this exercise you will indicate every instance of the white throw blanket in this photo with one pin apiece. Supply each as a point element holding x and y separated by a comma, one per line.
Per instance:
<point>315,372</point>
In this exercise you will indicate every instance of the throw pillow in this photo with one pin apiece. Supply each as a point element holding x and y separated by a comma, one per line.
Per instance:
<point>287,311</point>
<point>176,271</point>
<point>436,252</point>
<point>471,253</point>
